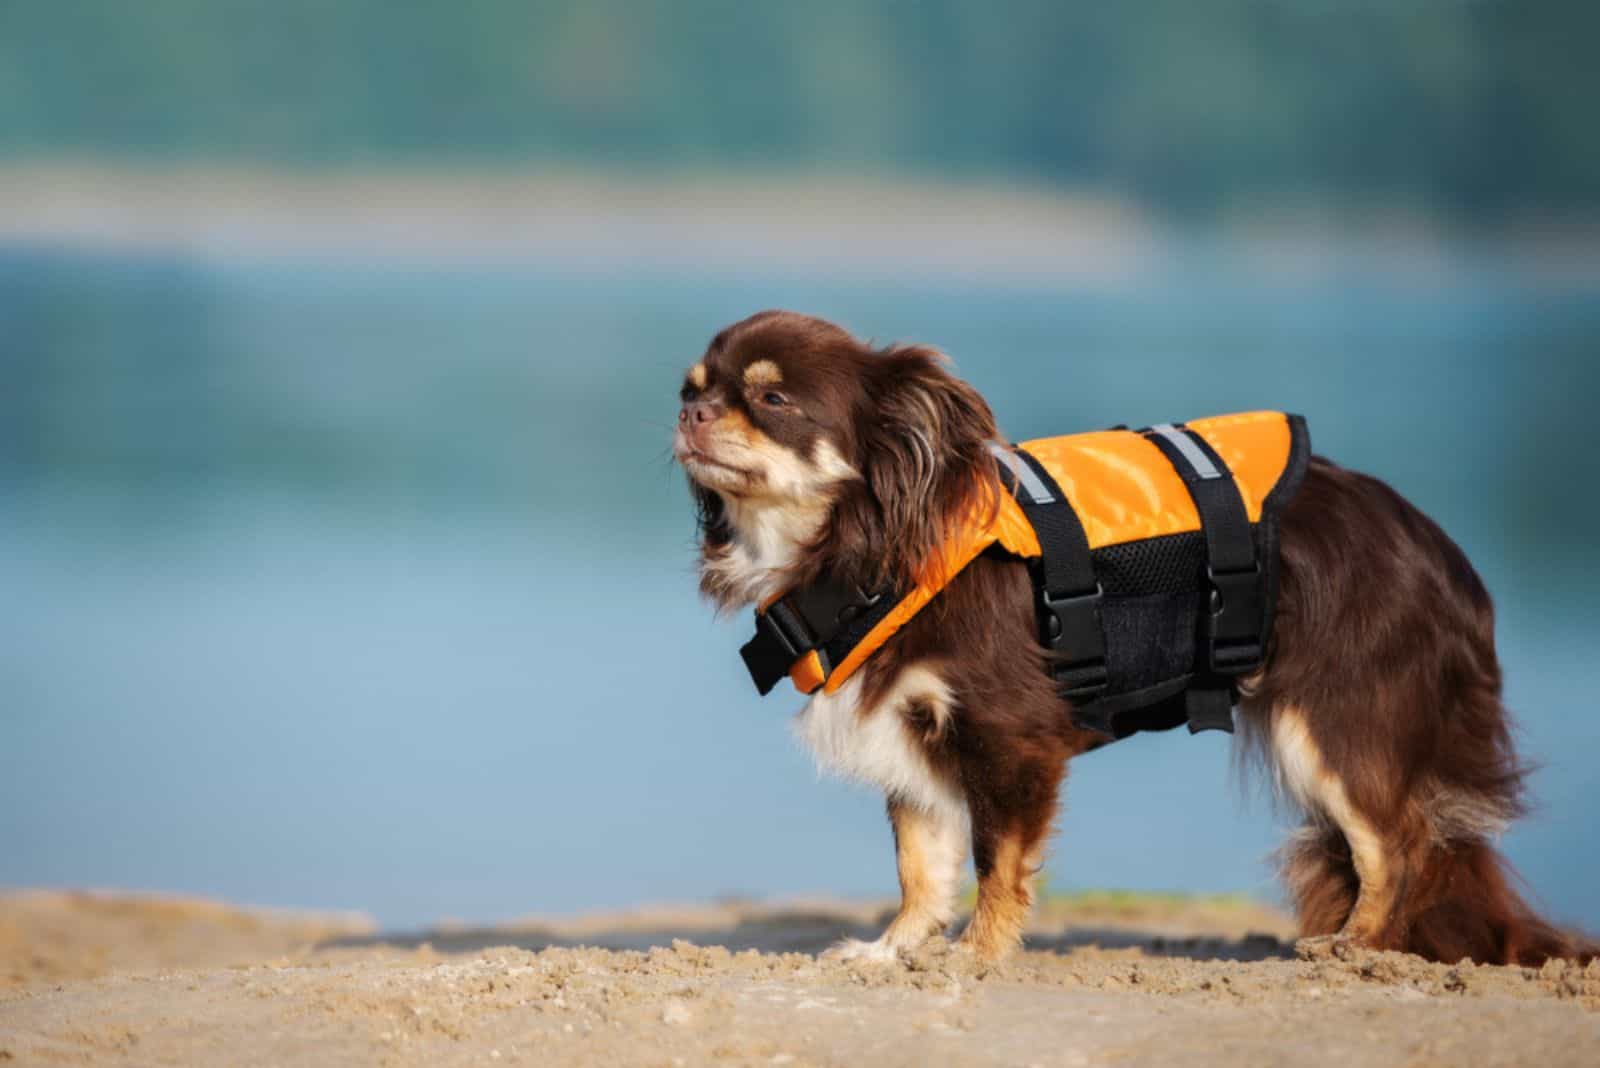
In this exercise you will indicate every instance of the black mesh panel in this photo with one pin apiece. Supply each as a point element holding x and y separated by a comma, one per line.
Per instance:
<point>1172,564</point>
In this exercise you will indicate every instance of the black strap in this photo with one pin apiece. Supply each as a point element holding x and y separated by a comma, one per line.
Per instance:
<point>1208,705</point>
<point>1232,629</point>
<point>1068,592</point>
<point>800,622</point>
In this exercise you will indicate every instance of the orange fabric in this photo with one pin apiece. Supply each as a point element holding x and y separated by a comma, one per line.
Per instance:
<point>1122,488</point>
<point>935,578</point>
<point>807,674</point>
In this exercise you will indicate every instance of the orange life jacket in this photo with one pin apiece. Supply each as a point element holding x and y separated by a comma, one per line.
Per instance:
<point>1124,508</point>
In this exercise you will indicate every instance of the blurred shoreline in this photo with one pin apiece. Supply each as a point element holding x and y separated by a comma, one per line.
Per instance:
<point>600,221</point>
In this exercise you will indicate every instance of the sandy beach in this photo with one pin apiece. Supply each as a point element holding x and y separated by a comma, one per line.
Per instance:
<point>101,979</point>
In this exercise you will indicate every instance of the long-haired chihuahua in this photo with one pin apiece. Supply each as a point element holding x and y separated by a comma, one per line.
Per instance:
<point>1377,707</point>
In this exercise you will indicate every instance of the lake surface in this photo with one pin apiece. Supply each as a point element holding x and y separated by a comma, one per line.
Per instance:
<point>368,585</point>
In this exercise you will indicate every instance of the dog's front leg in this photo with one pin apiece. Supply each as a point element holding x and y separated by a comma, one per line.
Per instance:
<point>1007,858</point>
<point>1011,806</point>
<point>930,847</point>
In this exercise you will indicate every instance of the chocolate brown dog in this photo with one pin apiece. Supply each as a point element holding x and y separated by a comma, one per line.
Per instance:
<point>1378,706</point>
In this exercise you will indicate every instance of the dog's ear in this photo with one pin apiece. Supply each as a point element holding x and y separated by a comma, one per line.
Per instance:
<point>926,460</point>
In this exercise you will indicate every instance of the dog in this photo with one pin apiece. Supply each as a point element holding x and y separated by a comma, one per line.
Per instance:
<point>809,452</point>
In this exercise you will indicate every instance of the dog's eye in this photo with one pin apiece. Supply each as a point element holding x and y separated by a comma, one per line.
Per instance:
<point>773,399</point>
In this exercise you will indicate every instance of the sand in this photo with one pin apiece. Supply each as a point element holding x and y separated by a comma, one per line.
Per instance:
<point>115,980</point>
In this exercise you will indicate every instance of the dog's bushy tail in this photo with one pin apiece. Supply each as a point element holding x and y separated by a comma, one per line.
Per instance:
<point>1463,903</point>
<point>1460,902</point>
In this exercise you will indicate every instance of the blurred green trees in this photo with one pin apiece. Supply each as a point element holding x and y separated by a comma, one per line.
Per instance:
<point>1479,109</point>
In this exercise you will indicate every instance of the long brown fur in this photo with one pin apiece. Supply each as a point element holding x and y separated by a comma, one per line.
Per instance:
<point>1384,640</point>
<point>1382,687</point>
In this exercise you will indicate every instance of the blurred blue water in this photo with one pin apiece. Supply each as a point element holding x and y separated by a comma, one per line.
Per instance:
<point>369,586</point>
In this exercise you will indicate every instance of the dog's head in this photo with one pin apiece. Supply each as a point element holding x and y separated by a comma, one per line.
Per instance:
<point>809,451</point>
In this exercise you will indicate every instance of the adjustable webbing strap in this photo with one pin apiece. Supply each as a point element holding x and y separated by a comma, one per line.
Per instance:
<point>1232,629</point>
<point>800,622</point>
<point>1069,594</point>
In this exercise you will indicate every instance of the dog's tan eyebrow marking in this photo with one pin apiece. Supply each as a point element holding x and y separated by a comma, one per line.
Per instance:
<point>763,373</point>
<point>697,376</point>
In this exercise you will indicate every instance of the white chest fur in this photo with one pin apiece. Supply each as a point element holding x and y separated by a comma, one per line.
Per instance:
<point>875,745</point>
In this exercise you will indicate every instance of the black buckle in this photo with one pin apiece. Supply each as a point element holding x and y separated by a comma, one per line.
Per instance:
<point>1233,629</point>
<point>1070,626</point>
<point>800,623</point>
<point>829,609</point>
<point>781,638</point>
<point>782,624</point>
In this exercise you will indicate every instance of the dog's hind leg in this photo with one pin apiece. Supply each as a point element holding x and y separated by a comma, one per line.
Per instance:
<point>1380,705</point>
<point>1342,849</point>
<point>1386,865</point>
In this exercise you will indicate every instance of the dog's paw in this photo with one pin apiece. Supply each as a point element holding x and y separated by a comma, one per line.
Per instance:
<point>1327,947</point>
<point>854,949</point>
